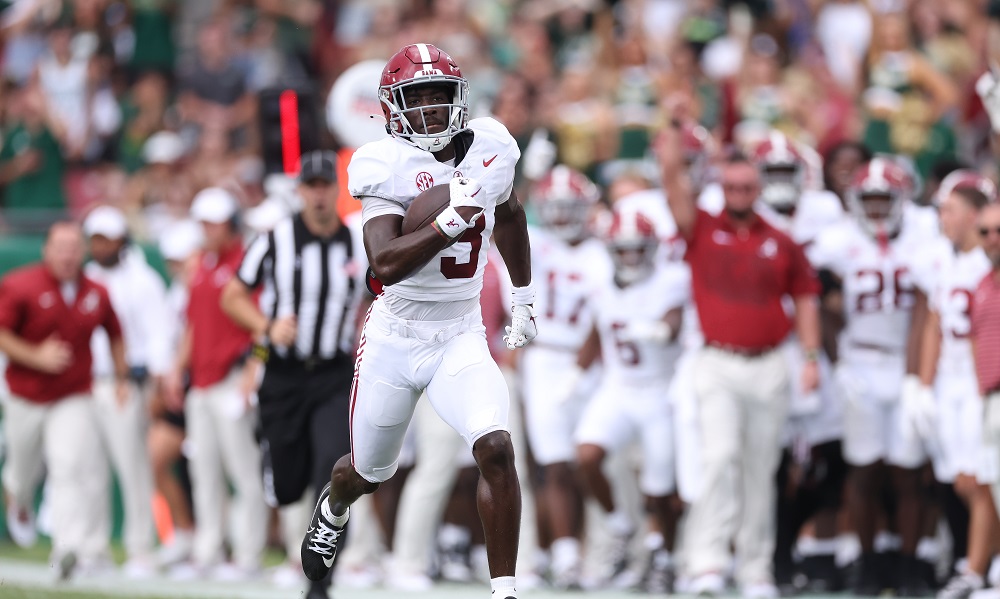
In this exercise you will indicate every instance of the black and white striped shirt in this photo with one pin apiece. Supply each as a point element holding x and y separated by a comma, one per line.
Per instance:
<point>321,281</point>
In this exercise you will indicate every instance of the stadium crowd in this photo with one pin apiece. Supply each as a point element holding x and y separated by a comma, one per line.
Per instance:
<point>854,447</point>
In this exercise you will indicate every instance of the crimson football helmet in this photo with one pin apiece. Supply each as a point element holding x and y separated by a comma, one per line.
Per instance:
<point>782,171</point>
<point>563,199</point>
<point>418,65</point>
<point>876,197</point>
<point>632,241</point>
<point>965,178</point>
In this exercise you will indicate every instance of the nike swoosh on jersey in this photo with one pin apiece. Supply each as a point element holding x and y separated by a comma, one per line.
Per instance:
<point>490,161</point>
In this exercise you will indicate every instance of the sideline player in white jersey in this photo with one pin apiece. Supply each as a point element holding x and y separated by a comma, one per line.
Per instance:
<point>570,267</point>
<point>871,255</point>
<point>638,317</point>
<point>947,406</point>
<point>425,331</point>
<point>815,419</point>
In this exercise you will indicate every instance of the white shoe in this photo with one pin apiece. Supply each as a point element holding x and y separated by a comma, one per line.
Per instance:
<point>287,576</point>
<point>409,582</point>
<point>139,568</point>
<point>711,584</point>
<point>177,550</point>
<point>185,571</point>
<point>357,577</point>
<point>229,572</point>
<point>21,526</point>
<point>760,590</point>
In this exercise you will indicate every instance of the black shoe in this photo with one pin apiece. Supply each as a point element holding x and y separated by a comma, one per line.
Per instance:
<point>67,565</point>
<point>317,590</point>
<point>868,582</point>
<point>822,574</point>
<point>658,577</point>
<point>912,581</point>
<point>319,547</point>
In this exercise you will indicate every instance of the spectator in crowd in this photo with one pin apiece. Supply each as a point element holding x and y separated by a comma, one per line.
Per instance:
<point>31,160</point>
<point>143,114</point>
<point>159,194</point>
<point>48,312</point>
<point>140,301</point>
<point>219,416</point>
<point>741,380</point>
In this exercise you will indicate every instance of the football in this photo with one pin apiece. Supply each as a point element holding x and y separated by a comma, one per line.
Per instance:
<point>425,208</point>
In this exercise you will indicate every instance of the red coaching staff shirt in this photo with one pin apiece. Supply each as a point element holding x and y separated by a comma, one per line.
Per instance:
<point>33,307</point>
<point>217,343</point>
<point>739,278</point>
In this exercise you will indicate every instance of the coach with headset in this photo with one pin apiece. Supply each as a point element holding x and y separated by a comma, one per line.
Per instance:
<point>219,414</point>
<point>311,269</point>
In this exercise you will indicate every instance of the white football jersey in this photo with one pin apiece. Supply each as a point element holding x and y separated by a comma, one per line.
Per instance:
<point>951,298</point>
<point>877,282</point>
<point>636,362</point>
<point>567,278</point>
<point>815,212</point>
<point>389,173</point>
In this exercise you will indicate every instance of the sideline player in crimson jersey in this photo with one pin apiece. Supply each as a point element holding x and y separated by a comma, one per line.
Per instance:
<point>425,331</point>
<point>872,257</point>
<point>570,266</point>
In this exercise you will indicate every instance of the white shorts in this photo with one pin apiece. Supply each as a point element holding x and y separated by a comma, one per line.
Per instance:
<point>871,383</point>
<point>549,422</point>
<point>988,470</point>
<point>618,414</point>
<point>960,428</point>
<point>398,359</point>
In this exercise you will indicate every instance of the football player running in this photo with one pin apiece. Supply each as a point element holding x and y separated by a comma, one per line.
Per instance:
<point>871,258</point>
<point>945,404</point>
<point>425,332</point>
<point>638,316</point>
<point>570,267</point>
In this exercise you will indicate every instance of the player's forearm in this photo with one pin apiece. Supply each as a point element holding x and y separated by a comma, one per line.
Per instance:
<point>930,349</point>
<point>118,357</point>
<point>807,322</point>
<point>395,259</point>
<point>511,237</point>
<point>918,320</point>
<point>241,309</point>
<point>17,349</point>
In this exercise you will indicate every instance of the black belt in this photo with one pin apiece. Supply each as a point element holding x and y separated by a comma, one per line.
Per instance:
<point>746,352</point>
<point>313,364</point>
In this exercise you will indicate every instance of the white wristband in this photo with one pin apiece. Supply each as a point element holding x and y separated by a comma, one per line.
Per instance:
<point>451,223</point>
<point>523,296</point>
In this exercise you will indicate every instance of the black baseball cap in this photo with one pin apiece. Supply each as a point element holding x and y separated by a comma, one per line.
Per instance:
<point>319,164</point>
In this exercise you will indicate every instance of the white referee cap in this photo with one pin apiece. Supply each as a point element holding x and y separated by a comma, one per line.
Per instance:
<point>214,205</point>
<point>106,221</point>
<point>180,240</point>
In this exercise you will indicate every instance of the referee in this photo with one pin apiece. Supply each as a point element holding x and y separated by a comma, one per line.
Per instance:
<point>311,271</point>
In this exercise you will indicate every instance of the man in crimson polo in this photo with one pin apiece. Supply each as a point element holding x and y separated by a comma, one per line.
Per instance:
<point>48,312</point>
<point>218,411</point>
<point>742,272</point>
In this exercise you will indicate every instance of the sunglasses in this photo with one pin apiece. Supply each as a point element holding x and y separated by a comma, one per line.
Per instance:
<point>985,231</point>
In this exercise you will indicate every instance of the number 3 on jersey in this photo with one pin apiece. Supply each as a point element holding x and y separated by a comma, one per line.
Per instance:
<point>450,267</point>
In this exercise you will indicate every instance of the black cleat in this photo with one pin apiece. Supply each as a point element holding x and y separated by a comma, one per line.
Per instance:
<point>317,590</point>
<point>867,583</point>
<point>912,580</point>
<point>319,547</point>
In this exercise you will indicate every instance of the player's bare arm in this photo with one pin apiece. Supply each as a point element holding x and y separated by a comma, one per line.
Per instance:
<point>918,320</point>
<point>807,327</point>
<point>677,184</point>
<point>394,256</point>
<point>590,351</point>
<point>511,235</point>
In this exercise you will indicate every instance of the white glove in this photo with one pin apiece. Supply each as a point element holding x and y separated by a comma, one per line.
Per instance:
<point>655,331</point>
<point>464,192</point>
<point>918,409</point>
<point>988,89</point>
<point>538,157</point>
<point>522,327</point>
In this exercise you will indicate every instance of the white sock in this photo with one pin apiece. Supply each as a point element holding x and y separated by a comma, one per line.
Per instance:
<point>453,535</point>
<point>653,541</point>
<point>619,523</point>
<point>503,587</point>
<point>338,521</point>
<point>565,553</point>
<point>928,549</point>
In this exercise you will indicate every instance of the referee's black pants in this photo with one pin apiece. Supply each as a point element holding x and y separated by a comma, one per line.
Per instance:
<point>304,425</point>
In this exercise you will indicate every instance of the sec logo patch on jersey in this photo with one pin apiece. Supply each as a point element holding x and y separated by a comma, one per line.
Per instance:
<point>424,181</point>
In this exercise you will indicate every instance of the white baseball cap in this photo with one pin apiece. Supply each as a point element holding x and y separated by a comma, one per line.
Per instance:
<point>213,205</point>
<point>180,240</point>
<point>164,147</point>
<point>107,221</point>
